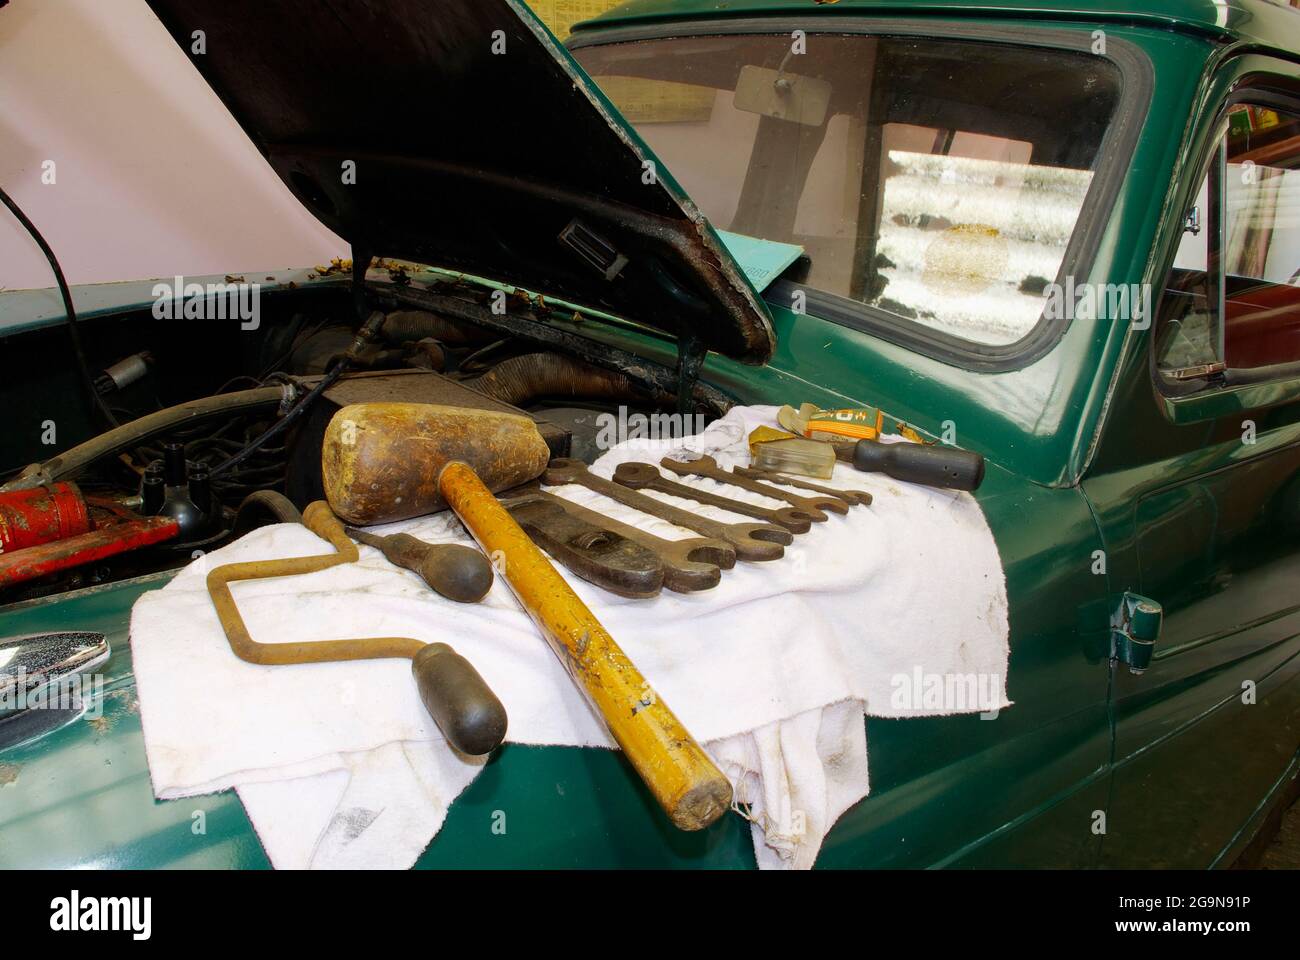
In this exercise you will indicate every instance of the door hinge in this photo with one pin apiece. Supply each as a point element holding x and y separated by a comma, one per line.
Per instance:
<point>1134,629</point>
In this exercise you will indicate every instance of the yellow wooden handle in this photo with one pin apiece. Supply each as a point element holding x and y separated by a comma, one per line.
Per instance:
<point>685,782</point>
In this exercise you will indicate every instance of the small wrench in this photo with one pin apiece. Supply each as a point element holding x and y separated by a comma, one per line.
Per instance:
<point>753,541</point>
<point>850,497</point>
<point>646,476</point>
<point>708,467</point>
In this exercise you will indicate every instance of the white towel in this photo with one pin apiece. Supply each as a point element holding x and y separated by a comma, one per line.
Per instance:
<point>338,764</point>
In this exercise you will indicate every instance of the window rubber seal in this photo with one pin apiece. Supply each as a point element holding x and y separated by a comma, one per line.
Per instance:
<point>1137,80</point>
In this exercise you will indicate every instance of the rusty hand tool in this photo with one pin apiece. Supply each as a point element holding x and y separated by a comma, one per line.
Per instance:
<point>457,572</point>
<point>851,497</point>
<point>597,554</point>
<point>694,563</point>
<point>462,705</point>
<point>646,476</point>
<point>752,541</point>
<point>46,558</point>
<point>708,467</point>
<point>680,775</point>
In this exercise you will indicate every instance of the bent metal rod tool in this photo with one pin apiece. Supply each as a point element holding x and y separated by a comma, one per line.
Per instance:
<point>646,476</point>
<point>693,563</point>
<point>752,541</point>
<point>462,705</point>
<point>851,497</point>
<point>685,782</point>
<point>708,467</point>
<point>596,554</point>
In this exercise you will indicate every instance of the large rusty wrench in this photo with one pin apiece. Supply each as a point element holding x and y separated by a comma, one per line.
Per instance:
<point>753,541</point>
<point>695,563</point>
<point>684,781</point>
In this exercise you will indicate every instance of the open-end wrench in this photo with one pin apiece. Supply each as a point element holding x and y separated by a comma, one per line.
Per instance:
<point>693,563</point>
<point>850,497</point>
<point>708,467</point>
<point>646,476</point>
<point>753,541</point>
<point>599,555</point>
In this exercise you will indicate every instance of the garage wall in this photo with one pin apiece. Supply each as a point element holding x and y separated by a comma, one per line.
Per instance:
<point>153,178</point>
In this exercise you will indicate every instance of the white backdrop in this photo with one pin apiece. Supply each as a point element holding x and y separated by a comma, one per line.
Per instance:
<point>153,177</point>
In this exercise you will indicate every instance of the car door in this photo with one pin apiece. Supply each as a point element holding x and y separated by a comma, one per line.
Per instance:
<point>1196,486</point>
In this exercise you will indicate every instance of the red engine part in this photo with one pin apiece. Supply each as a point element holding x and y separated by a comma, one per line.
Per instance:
<point>29,518</point>
<point>51,557</point>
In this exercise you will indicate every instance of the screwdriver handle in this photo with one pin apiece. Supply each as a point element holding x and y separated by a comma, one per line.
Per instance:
<point>932,465</point>
<point>454,570</point>
<point>461,703</point>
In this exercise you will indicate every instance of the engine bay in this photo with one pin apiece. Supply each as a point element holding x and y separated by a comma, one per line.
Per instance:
<point>194,422</point>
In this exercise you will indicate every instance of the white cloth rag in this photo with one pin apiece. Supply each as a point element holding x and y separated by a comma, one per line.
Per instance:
<point>338,765</point>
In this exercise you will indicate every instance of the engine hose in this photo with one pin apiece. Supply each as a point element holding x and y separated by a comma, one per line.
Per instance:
<point>261,506</point>
<point>521,379</point>
<point>72,462</point>
<point>401,326</point>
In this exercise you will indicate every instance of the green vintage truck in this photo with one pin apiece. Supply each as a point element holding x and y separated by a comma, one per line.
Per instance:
<point>1056,233</point>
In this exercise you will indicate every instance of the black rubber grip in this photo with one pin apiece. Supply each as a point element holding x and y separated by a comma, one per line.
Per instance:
<point>933,465</point>
<point>456,571</point>
<point>461,703</point>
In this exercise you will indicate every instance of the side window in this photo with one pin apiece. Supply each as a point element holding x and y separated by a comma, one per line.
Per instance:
<point>1232,298</point>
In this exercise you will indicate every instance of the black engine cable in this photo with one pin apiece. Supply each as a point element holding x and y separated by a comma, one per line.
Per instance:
<point>368,333</point>
<point>70,314</point>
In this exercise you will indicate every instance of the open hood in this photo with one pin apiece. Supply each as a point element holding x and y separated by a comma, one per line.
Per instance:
<point>460,134</point>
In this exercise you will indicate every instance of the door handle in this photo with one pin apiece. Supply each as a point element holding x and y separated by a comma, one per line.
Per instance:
<point>1135,627</point>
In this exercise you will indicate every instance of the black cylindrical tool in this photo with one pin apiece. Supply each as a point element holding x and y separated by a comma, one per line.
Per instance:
<point>459,700</point>
<point>933,465</point>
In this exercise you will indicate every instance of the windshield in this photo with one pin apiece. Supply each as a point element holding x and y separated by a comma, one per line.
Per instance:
<point>939,181</point>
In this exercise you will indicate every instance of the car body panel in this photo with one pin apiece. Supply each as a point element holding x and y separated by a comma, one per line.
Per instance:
<point>1208,524</point>
<point>1039,421</point>
<point>1257,21</point>
<point>567,807</point>
<point>1022,789</point>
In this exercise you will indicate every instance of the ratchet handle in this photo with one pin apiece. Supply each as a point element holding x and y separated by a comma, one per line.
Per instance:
<point>932,465</point>
<point>461,703</point>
